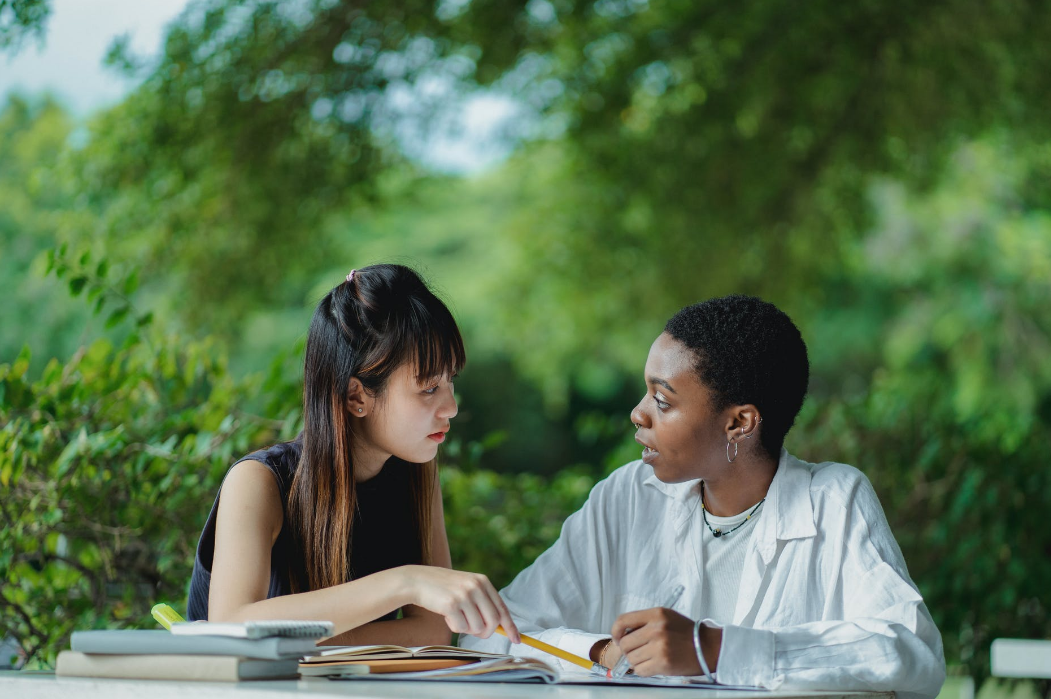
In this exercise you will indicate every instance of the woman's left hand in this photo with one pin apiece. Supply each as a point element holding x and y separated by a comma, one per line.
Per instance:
<point>659,641</point>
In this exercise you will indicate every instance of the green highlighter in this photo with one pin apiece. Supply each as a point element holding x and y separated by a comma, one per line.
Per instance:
<point>165,615</point>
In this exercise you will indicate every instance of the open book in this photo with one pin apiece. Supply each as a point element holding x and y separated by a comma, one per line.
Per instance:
<point>516,669</point>
<point>340,653</point>
<point>374,660</point>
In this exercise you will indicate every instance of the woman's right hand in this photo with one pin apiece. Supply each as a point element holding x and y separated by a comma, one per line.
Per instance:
<point>468,601</point>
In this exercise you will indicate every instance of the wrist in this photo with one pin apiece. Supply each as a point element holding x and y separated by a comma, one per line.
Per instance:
<point>711,645</point>
<point>599,649</point>
<point>402,584</point>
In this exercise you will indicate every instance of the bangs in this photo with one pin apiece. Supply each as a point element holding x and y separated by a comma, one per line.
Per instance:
<point>424,334</point>
<point>438,351</point>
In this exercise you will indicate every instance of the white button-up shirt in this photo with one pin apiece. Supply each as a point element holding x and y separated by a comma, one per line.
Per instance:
<point>825,600</point>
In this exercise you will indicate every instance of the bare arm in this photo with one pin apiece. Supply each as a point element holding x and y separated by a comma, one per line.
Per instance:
<point>248,523</point>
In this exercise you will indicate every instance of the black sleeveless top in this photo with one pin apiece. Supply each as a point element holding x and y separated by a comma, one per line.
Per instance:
<point>383,536</point>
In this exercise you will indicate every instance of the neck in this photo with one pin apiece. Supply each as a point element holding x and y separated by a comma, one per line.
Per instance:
<point>740,485</point>
<point>367,460</point>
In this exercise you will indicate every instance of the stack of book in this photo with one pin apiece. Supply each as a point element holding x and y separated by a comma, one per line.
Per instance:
<point>201,651</point>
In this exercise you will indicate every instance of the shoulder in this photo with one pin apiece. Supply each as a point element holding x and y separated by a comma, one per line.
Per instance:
<point>281,459</point>
<point>251,493</point>
<point>843,498</point>
<point>839,484</point>
<point>838,492</point>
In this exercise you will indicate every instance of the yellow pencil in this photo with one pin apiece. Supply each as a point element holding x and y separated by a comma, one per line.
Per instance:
<point>559,653</point>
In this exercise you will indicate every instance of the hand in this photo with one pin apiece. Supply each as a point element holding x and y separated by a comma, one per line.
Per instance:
<point>660,642</point>
<point>468,601</point>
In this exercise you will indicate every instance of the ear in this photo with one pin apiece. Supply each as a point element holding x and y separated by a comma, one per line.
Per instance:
<point>359,401</point>
<point>743,423</point>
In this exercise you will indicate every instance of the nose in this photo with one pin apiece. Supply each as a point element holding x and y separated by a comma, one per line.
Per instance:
<point>638,415</point>
<point>448,409</point>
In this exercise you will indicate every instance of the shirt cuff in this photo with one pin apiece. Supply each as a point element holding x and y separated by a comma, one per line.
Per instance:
<point>746,657</point>
<point>578,643</point>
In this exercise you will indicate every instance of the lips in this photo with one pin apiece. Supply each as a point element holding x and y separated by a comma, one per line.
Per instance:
<point>649,454</point>
<point>438,437</point>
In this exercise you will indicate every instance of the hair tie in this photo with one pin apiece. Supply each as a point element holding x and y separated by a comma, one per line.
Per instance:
<point>350,277</point>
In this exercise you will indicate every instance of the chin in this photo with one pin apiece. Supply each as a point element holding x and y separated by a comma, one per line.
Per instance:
<point>422,456</point>
<point>666,475</point>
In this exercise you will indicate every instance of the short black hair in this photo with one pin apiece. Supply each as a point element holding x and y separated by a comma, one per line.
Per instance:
<point>748,351</point>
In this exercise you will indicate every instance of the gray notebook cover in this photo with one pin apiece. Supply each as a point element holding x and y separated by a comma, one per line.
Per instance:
<point>145,642</point>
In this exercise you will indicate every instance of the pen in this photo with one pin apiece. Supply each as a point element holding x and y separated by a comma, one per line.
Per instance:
<point>165,615</point>
<point>622,666</point>
<point>559,653</point>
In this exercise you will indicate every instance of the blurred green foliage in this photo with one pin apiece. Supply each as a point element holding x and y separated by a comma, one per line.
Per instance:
<point>20,19</point>
<point>880,171</point>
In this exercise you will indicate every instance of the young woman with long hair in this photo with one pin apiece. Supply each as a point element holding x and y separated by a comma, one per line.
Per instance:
<point>345,522</point>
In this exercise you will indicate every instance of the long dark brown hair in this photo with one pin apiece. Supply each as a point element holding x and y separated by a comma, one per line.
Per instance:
<point>365,328</point>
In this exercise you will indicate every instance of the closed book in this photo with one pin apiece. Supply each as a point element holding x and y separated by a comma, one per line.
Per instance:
<point>151,642</point>
<point>221,668</point>
<point>256,629</point>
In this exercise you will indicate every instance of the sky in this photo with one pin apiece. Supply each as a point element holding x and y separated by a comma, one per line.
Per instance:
<point>68,64</point>
<point>69,61</point>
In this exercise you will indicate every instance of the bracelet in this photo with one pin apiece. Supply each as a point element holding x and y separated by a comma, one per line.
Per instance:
<point>700,655</point>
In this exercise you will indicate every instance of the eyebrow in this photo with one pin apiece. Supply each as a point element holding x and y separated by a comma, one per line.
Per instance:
<point>661,382</point>
<point>438,377</point>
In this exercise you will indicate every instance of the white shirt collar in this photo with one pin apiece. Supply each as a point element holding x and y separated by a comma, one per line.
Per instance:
<point>789,513</point>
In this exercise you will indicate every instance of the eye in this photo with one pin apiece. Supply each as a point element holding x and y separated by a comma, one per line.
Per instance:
<point>661,405</point>
<point>432,390</point>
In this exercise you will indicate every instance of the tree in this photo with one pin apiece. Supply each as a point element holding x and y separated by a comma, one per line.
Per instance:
<point>20,19</point>
<point>715,147</point>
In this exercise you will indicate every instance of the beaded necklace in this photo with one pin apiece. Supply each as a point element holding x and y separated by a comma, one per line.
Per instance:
<point>719,532</point>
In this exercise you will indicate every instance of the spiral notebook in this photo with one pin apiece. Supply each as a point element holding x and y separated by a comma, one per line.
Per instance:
<point>256,629</point>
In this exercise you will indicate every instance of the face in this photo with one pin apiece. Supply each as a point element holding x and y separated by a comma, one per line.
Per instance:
<point>411,417</point>
<point>682,436</point>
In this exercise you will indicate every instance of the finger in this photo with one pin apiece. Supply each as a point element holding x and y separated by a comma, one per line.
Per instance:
<point>475,623</point>
<point>504,615</point>
<point>634,640</point>
<point>639,656</point>
<point>456,622</point>
<point>486,610</point>
<point>625,623</point>
<point>647,668</point>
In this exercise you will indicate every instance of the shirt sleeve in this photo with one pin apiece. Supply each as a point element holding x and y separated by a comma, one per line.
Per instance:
<point>558,598</point>
<point>886,642</point>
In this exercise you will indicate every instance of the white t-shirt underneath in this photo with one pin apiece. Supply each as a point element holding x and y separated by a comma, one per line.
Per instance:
<point>723,563</point>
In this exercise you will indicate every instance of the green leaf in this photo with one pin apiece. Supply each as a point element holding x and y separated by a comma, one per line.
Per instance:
<point>144,319</point>
<point>21,365</point>
<point>102,269</point>
<point>131,283</point>
<point>116,316</point>
<point>76,285</point>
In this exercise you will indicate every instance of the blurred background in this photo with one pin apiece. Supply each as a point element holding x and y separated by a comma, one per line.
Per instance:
<point>180,182</point>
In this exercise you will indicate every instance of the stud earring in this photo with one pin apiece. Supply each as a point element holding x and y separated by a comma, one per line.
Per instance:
<point>359,410</point>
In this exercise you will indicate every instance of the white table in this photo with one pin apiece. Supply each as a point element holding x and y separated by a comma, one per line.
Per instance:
<point>1016,657</point>
<point>16,685</point>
